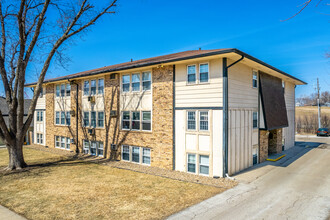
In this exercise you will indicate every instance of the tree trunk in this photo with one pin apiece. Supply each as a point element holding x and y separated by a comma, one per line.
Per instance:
<point>16,158</point>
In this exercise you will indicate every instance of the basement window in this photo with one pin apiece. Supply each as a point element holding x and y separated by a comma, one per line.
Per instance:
<point>136,154</point>
<point>125,153</point>
<point>204,164</point>
<point>255,79</point>
<point>146,156</point>
<point>191,71</point>
<point>191,163</point>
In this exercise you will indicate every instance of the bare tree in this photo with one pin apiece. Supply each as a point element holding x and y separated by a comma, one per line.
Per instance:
<point>36,30</point>
<point>307,3</point>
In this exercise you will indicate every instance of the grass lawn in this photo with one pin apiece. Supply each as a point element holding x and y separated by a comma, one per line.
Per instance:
<point>56,187</point>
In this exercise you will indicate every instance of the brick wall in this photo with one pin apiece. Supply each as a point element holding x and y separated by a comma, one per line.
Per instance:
<point>160,140</point>
<point>275,141</point>
<point>263,148</point>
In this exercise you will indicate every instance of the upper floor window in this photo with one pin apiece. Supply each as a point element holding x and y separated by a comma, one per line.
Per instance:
<point>135,120</point>
<point>100,119</point>
<point>192,121</point>
<point>146,81</point>
<point>93,119</point>
<point>255,79</point>
<point>255,119</point>
<point>191,71</point>
<point>100,86</point>
<point>93,87</point>
<point>86,87</point>
<point>62,118</point>
<point>204,72</point>
<point>63,90</point>
<point>136,82</point>
<point>204,121</point>
<point>68,89</point>
<point>126,83</point>
<point>146,120</point>
<point>86,119</point>
<point>40,115</point>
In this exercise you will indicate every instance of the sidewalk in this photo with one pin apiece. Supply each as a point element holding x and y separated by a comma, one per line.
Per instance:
<point>6,214</point>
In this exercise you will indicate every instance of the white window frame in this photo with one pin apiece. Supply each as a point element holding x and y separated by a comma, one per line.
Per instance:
<point>132,154</point>
<point>200,164</point>
<point>90,122</point>
<point>131,78</point>
<point>57,141</point>
<point>147,149</point>
<point>98,87</point>
<point>196,118</point>
<point>89,88</point>
<point>199,120</point>
<point>122,120</point>
<point>131,120</point>
<point>146,121</point>
<point>143,81</point>
<point>122,153</point>
<point>59,117</point>
<point>122,83</point>
<point>68,143</point>
<point>208,73</point>
<point>98,120</point>
<point>99,144</point>
<point>195,82</point>
<point>196,170</point>
<point>255,73</point>
<point>253,113</point>
<point>58,90</point>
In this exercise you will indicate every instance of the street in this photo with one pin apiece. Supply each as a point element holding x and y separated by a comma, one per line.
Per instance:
<point>295,187</point>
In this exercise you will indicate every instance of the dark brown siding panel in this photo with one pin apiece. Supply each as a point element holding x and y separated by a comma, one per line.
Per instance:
<point>273,102</point>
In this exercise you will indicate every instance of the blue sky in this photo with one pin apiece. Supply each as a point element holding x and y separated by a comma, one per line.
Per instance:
<point>147,28</point>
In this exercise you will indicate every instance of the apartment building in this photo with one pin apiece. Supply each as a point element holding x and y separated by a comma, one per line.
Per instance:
<point>206,112</point>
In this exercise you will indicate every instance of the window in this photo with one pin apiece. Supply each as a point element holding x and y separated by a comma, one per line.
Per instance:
<point>191,163</point>
<point>204,72</point>
<point>86,88</point>
<point>41,115</point>
<point>93,87</point>
<point>68,90</point>
<point>93,119</point>
<point>57,141</point>
<point>38,116</point>
<point>126,120</point>
<point>146,121</point>
<point>136,82</point>
<point>191,74</point>
<point>125,83</point>
<point>100,119</point>
<point>204,164</point>
<point>86,119</point>
<point>93,148</point>
<point>100,149</point>
<point>135,120</point>
<point>146,81</point>
<point>68,118</point>
<point>62,90</point>
<point>38,139</point>
<point>62,142</point>
<point>255,119</point>
<point>146,155</point>
<point>57,118</point>
<point>191,120</point>
<point>68,141</point>
<point>136,154</point>
<point>204,121</point>
<point>41,139</point>
<point>100,86</point>
<point>86,147</point>
<point>62,118</point>
<point>125,153</point>
<point>57,90</point>
<point>255,79</point>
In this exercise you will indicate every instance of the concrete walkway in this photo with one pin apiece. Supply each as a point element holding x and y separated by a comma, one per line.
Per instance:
<point>6,214</point>
<point>295,187</point>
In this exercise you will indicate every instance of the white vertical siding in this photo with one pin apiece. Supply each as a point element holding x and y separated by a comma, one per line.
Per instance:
<point>239,140</point>
<point>180,139</point>
<point>289,132</point>
<point>217,142</point>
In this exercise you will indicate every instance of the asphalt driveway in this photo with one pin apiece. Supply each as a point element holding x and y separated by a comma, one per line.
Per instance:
<point>295,187</point>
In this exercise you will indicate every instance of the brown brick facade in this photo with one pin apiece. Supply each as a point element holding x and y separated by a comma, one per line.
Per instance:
<point>275,141</point>
<point>263,147</point>
<point>160,139</point>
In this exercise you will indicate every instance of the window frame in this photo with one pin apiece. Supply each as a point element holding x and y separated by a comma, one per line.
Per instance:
<point>255,73</point>
<point>98,86</point>
<point>58,90</point>
<point>139,156</point>
<point>139,82</point>
<point>187,118</point>
<point>122,120</point>
<point>257,120</point>
<point>84,119</point>
<point>138,121</point>
<point>146,121</point>
<point>57,142</point>
<point>122,83</point>
<point>208,73</point>
<point>200,164</point>
<point>85,88</point>
<point>98,119</point>
<point>122,152</point>
<point>191,163</point>
<point>199,120</point>
<point>68,118</point>
<point>57,113</point>
<point>195,82</point>
<point>67,85</point>
<point>144,81</point>
<point>92,87</point>
<point>91,119</point>
<point>142,155</point>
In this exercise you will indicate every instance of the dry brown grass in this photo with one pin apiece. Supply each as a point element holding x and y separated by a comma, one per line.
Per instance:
<point>57,187</point>
<point>311,110</point>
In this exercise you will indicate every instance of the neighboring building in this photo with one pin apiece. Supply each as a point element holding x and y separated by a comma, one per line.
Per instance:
<point>170,111</point>
<point>4,110</point>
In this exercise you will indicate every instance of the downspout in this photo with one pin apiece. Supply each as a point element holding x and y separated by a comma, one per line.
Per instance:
<point>225,112</point>
<point>77,105</point>
<point>173,117</point>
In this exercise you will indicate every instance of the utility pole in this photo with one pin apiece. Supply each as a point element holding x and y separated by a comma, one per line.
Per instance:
<point>318,103</point>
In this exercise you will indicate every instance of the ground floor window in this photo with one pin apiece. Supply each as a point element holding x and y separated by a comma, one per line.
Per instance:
<point>62,142</point>
<point>198,164</point>
<point>40,139</point>
<point>94,148</point>
<point>136,154</point>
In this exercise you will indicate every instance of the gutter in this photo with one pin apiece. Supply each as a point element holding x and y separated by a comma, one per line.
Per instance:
<point>173,117</point>
<point>225,113</point>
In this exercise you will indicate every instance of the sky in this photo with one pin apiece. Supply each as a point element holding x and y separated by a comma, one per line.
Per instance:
<point>146,28</point>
